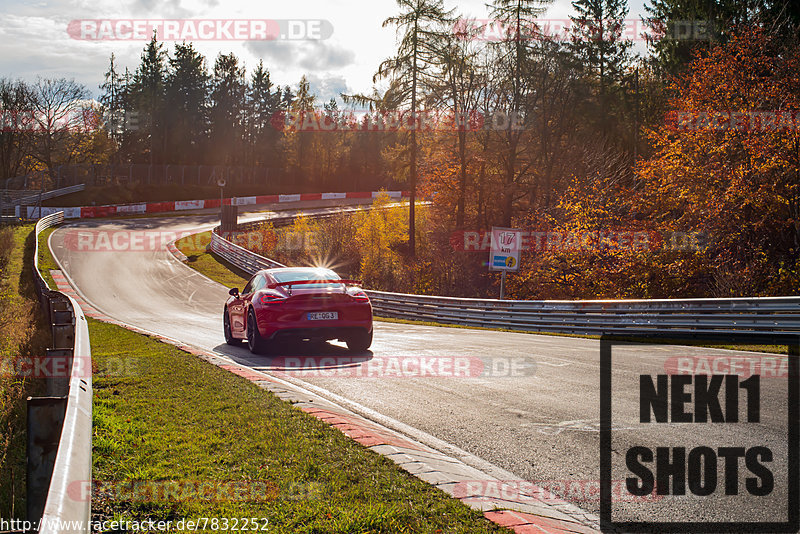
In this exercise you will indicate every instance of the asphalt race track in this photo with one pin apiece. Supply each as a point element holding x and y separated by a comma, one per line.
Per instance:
<point>540,424</point>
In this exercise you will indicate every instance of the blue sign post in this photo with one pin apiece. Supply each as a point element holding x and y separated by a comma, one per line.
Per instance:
<point>504,254</point>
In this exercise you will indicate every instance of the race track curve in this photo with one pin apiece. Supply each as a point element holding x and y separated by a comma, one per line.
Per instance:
<point>541,425</point>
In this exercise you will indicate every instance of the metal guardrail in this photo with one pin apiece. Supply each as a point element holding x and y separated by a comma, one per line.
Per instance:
<point>42,289</point>
<point>13,201</point>
<point>70,471</point>
<point>250,262</point>
<point>754,316</point>
<point>240,257</point>
<point>764,315</point>
<point>53,193</point>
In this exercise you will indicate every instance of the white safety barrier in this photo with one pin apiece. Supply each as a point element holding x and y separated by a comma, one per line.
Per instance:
<point>73,461</point>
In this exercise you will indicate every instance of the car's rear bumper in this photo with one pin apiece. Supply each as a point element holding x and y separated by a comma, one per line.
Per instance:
<point>321,333</point>
<point>291,320</point>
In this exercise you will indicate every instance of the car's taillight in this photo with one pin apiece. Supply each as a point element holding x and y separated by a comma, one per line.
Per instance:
<point>359,296</point>
<point>268,298</point>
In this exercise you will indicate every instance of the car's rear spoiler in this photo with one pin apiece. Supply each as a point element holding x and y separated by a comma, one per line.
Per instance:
<point>299,282</point>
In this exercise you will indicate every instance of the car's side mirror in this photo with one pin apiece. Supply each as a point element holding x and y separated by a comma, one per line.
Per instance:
<point>234,292</point>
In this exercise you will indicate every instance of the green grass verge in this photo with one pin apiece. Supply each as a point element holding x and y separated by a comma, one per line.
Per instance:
<point>219,270</point>
<point>174,417</point>
<point>46,261</point>
<point>22,334</point>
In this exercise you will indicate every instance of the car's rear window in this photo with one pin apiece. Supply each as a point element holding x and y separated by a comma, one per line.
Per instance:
<point>307,274</point>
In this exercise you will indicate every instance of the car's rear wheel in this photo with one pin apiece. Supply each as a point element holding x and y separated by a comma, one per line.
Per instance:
<point>256,343</point>
<point>360,341</point>
<point>226,327</point>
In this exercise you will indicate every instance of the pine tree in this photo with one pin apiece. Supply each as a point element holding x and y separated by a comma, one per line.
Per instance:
<point>187,92</point>
<point>300,143</point>
<point>683,28</point>
<point>303,100</point>
<point>599,46</point>
<point>514,55</point>
<point>263,104</point>
<point>227,111</point>
<point>112,100</point>
<point>458,86</point>
<point>408,70</point>
<point>147,94</point>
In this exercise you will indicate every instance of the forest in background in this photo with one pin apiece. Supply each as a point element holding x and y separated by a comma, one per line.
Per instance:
<point>698,140</point>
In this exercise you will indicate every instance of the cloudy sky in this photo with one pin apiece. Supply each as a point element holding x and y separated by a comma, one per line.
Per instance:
<point>43,38</point>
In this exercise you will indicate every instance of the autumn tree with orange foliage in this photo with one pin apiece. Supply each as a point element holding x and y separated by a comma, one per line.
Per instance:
<point>737,180</point>
<point>735,183</point>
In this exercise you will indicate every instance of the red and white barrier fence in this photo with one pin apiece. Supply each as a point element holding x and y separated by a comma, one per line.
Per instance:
<point>89,212</point>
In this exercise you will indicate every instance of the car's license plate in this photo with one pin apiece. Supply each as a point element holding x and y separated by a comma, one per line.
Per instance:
<point>323,316</point>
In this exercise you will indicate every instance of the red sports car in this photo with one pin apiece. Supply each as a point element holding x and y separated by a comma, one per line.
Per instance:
<point>301,303</point>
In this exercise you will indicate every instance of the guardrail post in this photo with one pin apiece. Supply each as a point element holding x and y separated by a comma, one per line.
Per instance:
<point>45,419</point>
<point>62,322</point>
<point>62,325</point>
<point>58,385</point>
